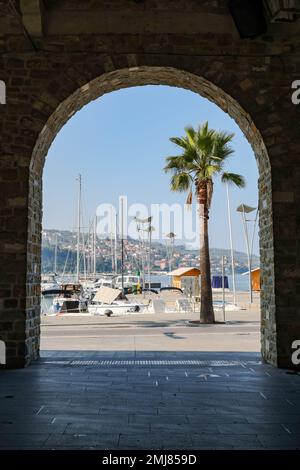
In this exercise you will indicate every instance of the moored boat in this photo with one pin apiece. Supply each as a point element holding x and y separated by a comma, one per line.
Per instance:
<point>108,301</point>
<point>69,300</point>
<point>49,285</point>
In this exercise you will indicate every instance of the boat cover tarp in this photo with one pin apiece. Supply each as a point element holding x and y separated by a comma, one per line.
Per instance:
<point>107,295</point>
<point>217,282</point>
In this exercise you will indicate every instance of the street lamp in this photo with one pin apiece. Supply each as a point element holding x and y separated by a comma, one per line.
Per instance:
<point>244,209</point>
<point>231,244</point>
<point>224,262</point>
<point>170,239</point>
<point>150,229</point>
<point>144,226</point>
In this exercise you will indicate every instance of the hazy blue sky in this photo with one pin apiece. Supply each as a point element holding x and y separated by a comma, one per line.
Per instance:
<point>119,143</point>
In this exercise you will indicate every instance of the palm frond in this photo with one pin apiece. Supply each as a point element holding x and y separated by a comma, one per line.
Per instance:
<point>225,137</point>
<point>221,148</point>
<point>181,182</point>
<point>190,135</point>
<point>212,169</point>
<point>204,140</point>
<point>180,141</point>
<point>233,178</point>
<point>203,129</point>
<point>176,163</point>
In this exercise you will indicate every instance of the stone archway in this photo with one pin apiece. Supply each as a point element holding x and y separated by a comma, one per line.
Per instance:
<point>137,76</point>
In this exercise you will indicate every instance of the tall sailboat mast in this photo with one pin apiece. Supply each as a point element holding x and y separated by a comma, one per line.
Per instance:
<point>55,255</point>
<point>116,246</point>
<point>78,225</point>
<point>231,244</point>
<point>122,245</point>
<point>150,228</point>
<point>111,242</point>
<point>94,246</point>
<point>89,248</point>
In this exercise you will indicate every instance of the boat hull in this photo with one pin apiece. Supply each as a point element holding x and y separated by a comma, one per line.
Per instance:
<point>122,309</point>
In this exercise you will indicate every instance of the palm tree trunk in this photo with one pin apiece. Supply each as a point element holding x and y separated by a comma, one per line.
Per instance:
<point>206,309</point>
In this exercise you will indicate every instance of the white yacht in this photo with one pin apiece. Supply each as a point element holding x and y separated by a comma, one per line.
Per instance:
<point>130,281</point>
<point>109,302</point>
<point>91,287</point>
<point>49,285</point>
<point>69,300</point>
<point>106,281</point>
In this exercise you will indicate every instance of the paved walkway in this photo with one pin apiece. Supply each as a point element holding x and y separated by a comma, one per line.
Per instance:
<point>149,400</point>
<point>152,332</point>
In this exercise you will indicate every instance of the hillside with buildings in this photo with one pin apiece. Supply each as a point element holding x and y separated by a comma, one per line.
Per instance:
<point>64,244</point>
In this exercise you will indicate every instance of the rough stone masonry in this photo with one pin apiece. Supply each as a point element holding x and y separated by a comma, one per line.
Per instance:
<point>58,55</point>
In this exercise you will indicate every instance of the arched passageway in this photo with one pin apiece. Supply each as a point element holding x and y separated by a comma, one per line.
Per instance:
<point>70,62</point>
<point>53,61</point>
<point>137,76</point>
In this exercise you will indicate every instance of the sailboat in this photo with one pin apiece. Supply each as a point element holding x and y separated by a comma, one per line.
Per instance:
<point>49,285</point>
<point>108,300</point>
<point>70,297</point>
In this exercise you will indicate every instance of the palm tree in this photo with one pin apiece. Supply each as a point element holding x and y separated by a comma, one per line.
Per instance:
<point>204,154</point>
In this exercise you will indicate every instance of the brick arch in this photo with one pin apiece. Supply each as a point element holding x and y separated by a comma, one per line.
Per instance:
<point>152,75</point>
<point>139,76</point>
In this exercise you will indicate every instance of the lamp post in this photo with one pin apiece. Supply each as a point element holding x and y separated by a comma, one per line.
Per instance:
<point>244,209</point>
<point>122,245</point>
<point>55,255</point>
<point>170,240</point>
<point>150,230</point>
<point>231,244</point>
<point>224,262</point>
<point>78,227</point>
<point>144,225</point>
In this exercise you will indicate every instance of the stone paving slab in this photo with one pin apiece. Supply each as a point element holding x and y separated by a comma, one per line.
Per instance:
<point>56,405</point>
<point>30,428</point>
<point>101,440</point>
<point>278,417</point>
<point>115,419</point>
<point>280,442</point>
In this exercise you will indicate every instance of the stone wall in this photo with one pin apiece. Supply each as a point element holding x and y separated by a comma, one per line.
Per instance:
<point>51,76</point>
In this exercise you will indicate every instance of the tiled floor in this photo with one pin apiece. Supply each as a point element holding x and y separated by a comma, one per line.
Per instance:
<point>149,400</point>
